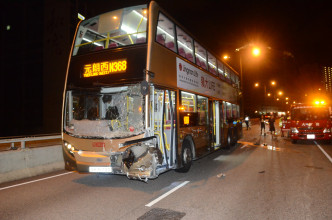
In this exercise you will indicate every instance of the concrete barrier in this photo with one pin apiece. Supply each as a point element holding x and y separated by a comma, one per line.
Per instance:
<point>28,162</point>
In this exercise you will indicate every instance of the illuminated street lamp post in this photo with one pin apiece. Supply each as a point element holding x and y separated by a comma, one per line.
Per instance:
<point>255,52</point>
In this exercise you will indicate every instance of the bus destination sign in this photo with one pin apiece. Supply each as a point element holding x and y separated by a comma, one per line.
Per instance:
<point>105,68</point>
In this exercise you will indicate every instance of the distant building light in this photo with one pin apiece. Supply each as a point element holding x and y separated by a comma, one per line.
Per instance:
<point>81,17</point>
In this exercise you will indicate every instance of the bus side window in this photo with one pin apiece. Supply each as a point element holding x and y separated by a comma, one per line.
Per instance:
<point>202,104</point>
<point>227,75</point>
<point>165,32</point>
<point>185,44</point>
<point>200,54</point>
<point>188,110</point>
<point>228,111</point>
<point>212,63</point>
<point>221,70</point>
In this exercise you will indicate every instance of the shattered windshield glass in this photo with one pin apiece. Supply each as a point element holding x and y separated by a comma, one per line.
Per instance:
<point>115,112</point>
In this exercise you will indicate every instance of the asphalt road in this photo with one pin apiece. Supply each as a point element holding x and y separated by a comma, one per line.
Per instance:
<point>261,178</point>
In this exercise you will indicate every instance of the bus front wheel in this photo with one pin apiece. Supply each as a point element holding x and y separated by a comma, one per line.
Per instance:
<point>187,157</point>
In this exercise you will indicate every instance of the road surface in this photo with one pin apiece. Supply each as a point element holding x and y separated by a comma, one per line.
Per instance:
<point>261,178</point>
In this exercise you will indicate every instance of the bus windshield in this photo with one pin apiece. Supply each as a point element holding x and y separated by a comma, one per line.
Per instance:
<point>310,113</point>
<point>114,29</point>
<point>108,113</point>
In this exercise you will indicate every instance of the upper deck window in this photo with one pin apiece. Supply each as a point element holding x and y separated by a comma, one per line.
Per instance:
<point>227,74</point>
<point>165,32</point>
<point>234,77</point>
<point>200,55</point>
<point>212,63</point>
<point>221,70</point>
<point>237,81</point>
<point>185,44</point>
<point>113,29</point>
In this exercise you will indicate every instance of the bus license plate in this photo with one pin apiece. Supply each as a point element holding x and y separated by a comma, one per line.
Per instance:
<point>310,136</point>
<point>100,169</point>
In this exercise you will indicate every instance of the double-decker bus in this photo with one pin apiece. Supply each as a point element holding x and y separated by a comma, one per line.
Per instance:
<point>310,122</point>
<point>143,96</point>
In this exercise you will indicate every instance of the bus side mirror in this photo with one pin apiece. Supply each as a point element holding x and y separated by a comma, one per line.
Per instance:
<point>145,88</point>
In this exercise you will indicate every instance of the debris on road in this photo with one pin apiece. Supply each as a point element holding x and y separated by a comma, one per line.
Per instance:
<point>221,175</point>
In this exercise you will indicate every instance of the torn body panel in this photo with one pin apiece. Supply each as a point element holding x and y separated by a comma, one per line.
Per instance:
<point>141,161</point>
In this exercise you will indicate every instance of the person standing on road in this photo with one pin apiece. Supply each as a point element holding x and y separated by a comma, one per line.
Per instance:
<point>271,123</point>
<point>246,120</point>
<point>262,124</point>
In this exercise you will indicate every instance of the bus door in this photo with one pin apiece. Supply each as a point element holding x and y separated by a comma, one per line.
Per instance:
<point>221,123</point>
<point>164,122</point>
<point>224,126</point>
<point>216,125</point>
<point>202,131</point>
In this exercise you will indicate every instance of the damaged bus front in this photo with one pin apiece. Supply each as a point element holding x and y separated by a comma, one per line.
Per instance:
<point>105,133</point>
<point>104,114</point>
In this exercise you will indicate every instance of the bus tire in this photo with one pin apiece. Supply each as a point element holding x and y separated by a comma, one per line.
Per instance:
<point>294,141</point>
<point>228,141</point>
<point>235,137</point>
<point>186,156</point>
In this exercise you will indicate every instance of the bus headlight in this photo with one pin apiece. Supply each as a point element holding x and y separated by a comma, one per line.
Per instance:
<point>294,130</point>
<point>327,130</point>
<point>69,147</point>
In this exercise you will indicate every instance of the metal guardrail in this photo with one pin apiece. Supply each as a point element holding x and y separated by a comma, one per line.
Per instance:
<point>12,141</point>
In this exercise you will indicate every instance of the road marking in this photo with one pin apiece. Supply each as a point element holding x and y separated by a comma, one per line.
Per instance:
<point>245,143</point>
<point>328,156</point>
<point>166,194</point>
<point>35,181</point>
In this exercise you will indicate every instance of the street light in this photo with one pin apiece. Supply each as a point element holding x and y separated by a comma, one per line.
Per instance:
<point>255,53</point>
<point>273,83</point>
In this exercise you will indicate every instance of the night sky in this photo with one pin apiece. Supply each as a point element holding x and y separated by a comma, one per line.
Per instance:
<point>298,34</point>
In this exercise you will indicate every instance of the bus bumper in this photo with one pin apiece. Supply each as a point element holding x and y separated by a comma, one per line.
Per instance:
<point>136,162</point>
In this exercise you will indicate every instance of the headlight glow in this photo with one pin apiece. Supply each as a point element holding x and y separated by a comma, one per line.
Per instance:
<point>294,130</point>
<point>327,130</point>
